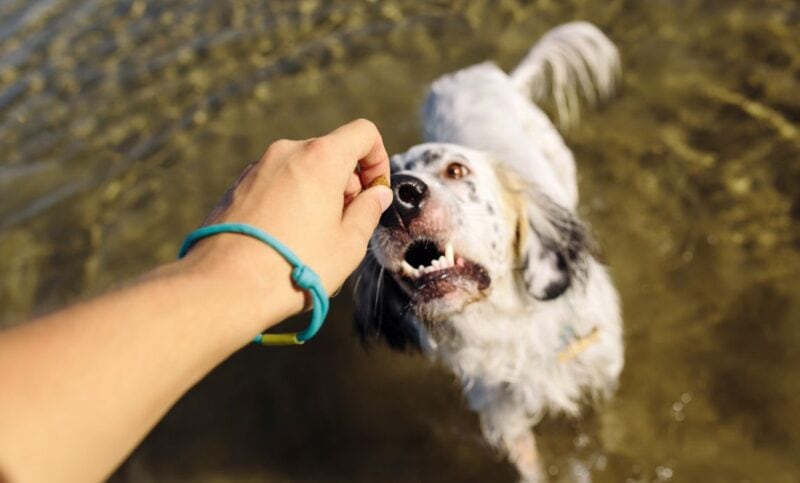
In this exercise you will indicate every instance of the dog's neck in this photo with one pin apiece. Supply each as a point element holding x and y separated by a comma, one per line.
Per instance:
<point>502,318</point>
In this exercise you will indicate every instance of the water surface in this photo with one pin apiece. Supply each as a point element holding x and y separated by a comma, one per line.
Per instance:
<point>121,123</point>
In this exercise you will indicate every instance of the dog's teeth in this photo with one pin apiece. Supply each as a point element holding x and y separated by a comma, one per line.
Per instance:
<point>448,253</point>
<point>422,270</point>
<point>435,265</point>
<point>443,263</point>
<point>408,270</point>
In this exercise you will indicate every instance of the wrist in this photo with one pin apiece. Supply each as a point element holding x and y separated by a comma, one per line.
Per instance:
<point>251,281</point>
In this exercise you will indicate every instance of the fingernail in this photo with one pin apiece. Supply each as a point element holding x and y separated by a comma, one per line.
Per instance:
<point>385,196</point>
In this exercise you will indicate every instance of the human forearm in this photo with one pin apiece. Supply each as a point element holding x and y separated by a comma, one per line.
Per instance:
<point>102,379</point>
<point>81,387</point>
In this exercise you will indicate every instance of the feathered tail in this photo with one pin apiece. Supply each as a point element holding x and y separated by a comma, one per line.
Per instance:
<point>571,58</point>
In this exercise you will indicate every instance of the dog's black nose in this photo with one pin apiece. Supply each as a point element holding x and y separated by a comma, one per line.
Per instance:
<point>410,194</point>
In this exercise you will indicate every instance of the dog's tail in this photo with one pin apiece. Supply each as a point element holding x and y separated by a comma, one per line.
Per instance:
<point>572,58</point>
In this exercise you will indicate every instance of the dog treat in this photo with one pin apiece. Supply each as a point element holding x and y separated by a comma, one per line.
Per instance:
<point>379,180</point>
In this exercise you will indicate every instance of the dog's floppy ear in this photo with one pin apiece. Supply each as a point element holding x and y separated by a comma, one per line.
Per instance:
<point>382,308</point>
<point>553,245</point>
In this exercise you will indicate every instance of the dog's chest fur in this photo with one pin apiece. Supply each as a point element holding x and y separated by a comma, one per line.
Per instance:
<point>510,345</point>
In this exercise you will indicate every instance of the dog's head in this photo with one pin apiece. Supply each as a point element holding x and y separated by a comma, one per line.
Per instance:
<point>461,228</point>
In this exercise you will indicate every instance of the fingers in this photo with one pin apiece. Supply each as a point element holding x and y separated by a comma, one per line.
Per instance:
<point>341,164</point>
<point>353,187</point>
<point>361,216</point>
<point>359,143</point>
<point>370,172</point>
<point>356,147</point>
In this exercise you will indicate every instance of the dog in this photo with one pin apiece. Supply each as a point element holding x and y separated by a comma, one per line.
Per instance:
<point>482,263</point>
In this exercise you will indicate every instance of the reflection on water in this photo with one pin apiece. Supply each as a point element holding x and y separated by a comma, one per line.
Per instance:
<point>121,122</point>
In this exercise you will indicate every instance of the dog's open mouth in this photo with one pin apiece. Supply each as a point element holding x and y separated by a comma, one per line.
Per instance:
<point>434,271</point>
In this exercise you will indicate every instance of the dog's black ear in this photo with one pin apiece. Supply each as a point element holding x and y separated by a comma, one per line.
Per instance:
<point>553,246</point>
<point>382,310</point>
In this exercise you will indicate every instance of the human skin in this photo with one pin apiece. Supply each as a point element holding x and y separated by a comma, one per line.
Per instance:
<point>81,387</point>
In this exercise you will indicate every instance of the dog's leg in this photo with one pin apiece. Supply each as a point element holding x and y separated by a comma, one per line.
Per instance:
<point>512,436</point>
<point>523,453</point>
<point>506,426</point>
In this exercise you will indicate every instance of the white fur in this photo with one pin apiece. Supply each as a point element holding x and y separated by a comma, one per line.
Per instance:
<point>484,108</point>
<point>505,347</point>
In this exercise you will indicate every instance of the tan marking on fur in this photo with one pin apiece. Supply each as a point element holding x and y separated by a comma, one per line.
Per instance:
<point>579,345</point>
<point>512,191</point>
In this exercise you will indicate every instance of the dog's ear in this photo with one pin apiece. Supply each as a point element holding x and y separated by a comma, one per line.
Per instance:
<point>553,245</point>
<point>382,310</point>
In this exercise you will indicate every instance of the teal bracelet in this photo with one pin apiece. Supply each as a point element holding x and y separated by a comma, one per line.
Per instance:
<point>302,275</point>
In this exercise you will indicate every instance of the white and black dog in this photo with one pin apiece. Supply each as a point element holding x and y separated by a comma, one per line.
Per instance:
<point>482,262</point>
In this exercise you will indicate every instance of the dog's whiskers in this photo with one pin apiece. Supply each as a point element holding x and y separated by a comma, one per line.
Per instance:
<point>378,305</point>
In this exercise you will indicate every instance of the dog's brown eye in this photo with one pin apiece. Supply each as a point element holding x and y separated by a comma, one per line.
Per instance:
<point>456,171</point>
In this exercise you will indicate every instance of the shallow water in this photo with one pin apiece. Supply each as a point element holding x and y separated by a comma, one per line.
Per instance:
<point>122,122</point>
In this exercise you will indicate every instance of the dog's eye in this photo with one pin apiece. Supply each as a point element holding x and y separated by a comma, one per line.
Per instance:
<point>456,171</point>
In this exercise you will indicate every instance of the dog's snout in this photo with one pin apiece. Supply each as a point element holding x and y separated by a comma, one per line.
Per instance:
<point>410,194</point>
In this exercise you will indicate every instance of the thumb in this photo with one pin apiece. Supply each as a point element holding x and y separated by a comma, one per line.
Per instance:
<point>361,216</point>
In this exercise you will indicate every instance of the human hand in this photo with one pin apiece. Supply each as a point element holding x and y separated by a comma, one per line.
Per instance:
<point>148,343</point>
<point>313,196</point>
